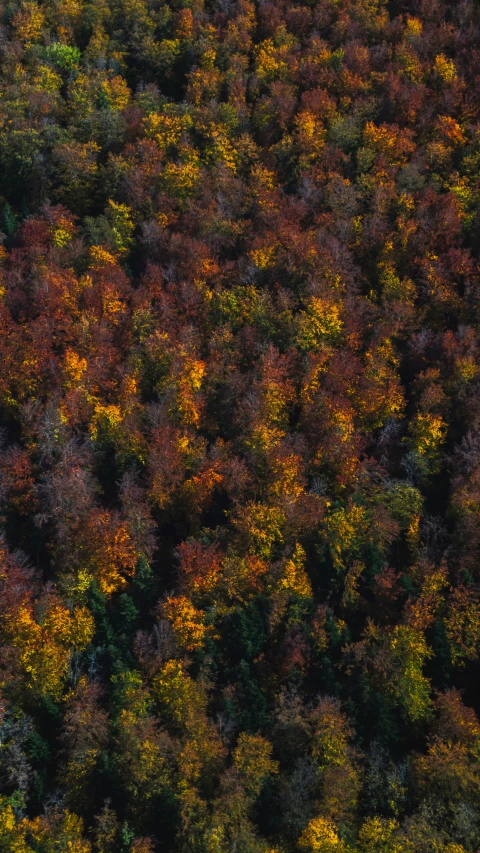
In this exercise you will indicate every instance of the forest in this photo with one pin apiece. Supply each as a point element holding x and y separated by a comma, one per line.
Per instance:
<point>240,426</point>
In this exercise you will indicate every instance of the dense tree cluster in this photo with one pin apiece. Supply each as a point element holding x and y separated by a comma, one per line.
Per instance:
<point>240,409</point>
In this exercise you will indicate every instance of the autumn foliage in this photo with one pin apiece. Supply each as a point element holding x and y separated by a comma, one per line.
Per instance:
<point>240,426</point>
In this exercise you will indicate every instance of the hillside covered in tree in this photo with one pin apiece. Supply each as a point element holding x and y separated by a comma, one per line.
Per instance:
<point>240,426</point>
